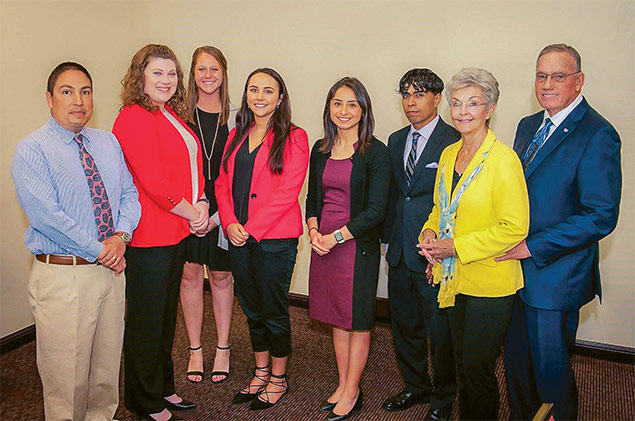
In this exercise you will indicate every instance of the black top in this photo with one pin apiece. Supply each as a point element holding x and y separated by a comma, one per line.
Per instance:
<point>455,180</point>
<point>243,170</point>
<point>208,122</point>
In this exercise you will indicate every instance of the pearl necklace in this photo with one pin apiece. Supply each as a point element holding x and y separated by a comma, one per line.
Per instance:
<point>211,152</point>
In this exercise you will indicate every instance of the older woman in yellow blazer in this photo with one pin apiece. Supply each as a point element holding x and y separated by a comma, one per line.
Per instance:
<point>481,210</point>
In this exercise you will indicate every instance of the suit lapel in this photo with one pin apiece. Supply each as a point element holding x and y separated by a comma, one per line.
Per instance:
<point>431,146</point>
<point>519,147</point>
<point>562,132</point>
<point>397,158</point>
<point>260,163</point>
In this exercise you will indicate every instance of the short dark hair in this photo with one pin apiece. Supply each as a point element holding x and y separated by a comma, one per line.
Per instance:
<point>61,68</point>
<point>421,80</point>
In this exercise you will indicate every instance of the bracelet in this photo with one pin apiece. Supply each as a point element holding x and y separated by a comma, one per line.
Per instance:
<point>312,228</point>
<point>203,199</point>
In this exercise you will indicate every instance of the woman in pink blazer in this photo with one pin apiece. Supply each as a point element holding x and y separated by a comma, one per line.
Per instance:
<point>262,173</point>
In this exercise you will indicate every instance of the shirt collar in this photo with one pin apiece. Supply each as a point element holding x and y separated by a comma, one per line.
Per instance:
<point>425,131</point>
<point>560,116</point>
<point>66,135</point>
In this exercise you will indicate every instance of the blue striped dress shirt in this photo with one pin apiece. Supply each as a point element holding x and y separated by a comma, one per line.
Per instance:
<point>52,190</point>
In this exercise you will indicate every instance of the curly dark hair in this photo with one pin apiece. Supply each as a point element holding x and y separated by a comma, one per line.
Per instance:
<point>134,81</point>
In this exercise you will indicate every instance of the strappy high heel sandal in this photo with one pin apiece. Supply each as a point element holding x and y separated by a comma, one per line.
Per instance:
<point>222,373</point>
<point>263,401</point>
<point>194,372</point>
<point>245,395</point>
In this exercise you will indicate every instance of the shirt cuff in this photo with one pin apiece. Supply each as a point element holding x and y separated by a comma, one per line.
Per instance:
<point>93,250</point>
<point>216,218</point>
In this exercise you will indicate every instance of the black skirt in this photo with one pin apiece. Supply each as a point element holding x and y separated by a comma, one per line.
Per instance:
<point>205,251</point>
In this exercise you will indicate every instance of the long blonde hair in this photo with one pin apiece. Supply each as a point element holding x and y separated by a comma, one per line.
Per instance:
<point>134,81</point>
<point>192,89</point>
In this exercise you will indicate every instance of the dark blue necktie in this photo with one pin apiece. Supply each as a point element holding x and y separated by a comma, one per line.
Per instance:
<point>412,157</point>
<point>536,142</point>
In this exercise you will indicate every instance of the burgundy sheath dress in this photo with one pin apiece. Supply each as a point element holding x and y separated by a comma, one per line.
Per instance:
<point>331,276</point>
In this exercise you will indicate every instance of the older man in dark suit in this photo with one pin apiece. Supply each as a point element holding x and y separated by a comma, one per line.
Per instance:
<point>415,151</point>
<point>571,156</point>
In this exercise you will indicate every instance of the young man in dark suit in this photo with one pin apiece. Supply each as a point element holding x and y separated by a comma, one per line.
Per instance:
<point>415,313</point>
<point>571,156</point>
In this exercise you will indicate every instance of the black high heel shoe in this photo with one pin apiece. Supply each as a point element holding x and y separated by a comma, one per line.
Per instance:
<point>222,373</point>
<point>194,372</point>
<point>245,395</point>
<point>332,416</point>
<point>265,403</point>
<point>326,405</point>
<point>172,418</point>
<point>179,406</point>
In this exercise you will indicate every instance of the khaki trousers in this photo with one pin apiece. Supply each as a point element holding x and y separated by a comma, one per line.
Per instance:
<point>79,321</point>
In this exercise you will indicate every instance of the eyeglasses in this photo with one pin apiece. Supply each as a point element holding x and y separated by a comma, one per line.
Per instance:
<point>556,77</point>
<point>470,105</point>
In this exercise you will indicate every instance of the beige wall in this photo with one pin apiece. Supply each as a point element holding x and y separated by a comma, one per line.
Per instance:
<point>312,44</point>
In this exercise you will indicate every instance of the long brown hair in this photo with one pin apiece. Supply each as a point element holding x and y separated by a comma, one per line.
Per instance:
<point>134,81</point>
<point>366,125</point>
<point>192,89</point>
<point>279,123</point>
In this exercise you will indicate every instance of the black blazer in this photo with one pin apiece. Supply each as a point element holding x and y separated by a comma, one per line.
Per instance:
<point>370,186</point>
<point>409,207</point>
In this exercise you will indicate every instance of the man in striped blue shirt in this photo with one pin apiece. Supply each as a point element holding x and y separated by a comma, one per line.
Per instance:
<point>75,189</point>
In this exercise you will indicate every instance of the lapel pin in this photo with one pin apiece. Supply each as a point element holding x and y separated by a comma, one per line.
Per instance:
<point>566,130</point>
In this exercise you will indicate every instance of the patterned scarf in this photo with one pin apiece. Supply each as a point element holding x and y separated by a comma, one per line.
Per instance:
<point>444,272</point>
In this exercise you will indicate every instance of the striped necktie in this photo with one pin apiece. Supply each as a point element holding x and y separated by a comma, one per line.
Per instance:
<point>101,204</point>
<point>536,142</point>
<point>412,158</point>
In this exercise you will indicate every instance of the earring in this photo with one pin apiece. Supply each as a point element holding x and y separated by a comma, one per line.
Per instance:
<point>277,106</point>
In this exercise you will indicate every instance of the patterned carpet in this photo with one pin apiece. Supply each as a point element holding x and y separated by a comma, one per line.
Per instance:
<point>606,388</point>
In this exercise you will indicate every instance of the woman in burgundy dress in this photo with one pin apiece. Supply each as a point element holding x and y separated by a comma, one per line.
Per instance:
<point>349,184</point>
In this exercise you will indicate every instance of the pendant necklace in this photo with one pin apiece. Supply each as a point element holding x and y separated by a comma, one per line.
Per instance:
<point>211,152</point>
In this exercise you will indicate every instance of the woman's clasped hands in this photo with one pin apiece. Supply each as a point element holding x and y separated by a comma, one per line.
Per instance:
<point>199,226</point>
<point>322,244</point>
<point>434,250</point>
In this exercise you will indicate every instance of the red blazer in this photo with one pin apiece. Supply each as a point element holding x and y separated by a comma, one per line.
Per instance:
<point>274,211</point>
<point>159,162</point>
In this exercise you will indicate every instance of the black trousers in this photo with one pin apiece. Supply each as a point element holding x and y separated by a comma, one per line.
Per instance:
<point>537,361</point>
<point>478,326</point>
<point>153,279</point>
<point>414,313</point>
<point>262,275</point>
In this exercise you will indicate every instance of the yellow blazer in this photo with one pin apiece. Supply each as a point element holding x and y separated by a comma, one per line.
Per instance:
<point>491,218</point>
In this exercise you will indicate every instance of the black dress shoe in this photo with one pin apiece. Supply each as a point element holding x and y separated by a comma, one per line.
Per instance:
<point>441,414</point>
<point>181,406</point>
<point>172,418</point>
<point>332,416</point>
<point>404,400</point>
<point>326,405</point>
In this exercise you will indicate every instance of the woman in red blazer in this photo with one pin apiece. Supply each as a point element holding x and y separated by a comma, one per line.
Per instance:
<point>165,161</point>
<point>262,173</point>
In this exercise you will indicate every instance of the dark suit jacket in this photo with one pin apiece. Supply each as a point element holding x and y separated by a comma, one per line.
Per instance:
<point>574,185</point>
<point>409,207</point>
